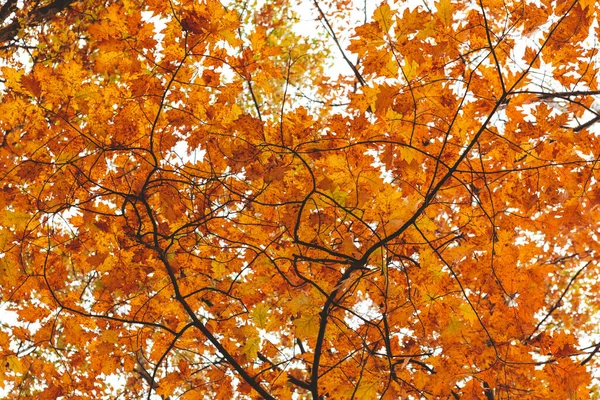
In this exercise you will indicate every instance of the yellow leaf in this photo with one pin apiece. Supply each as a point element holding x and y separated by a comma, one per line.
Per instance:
<point>454,327</point>
<point>110,336</point>
<point>468,313</point>
<point>407,154</point>
<point>339,196</point>
<point>299,303</point>
<point>219,269</point>
<point>383,16</point>
<point>590,5</point>
<point>15,219</point>
<point>367,389</point>
<point>168,384</point>
<point>15,364</point>
<point>410,69</point>
<point>260,315</point>
<point>444,11</point>
<point>5,236</point>
<point>307,326</point>
<point>251,347</point>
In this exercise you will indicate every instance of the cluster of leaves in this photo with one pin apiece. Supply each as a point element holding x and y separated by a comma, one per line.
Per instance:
<point>191,205</point>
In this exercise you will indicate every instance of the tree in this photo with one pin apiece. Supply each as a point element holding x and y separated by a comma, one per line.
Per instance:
<point>195,206</point>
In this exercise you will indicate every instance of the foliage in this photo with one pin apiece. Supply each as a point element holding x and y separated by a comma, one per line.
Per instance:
<point>195,204</point>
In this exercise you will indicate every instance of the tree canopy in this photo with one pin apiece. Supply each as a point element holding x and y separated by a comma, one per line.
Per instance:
<point>273,199</point>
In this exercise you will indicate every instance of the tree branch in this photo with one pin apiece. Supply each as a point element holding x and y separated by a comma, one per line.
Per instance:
<point>35,16</point>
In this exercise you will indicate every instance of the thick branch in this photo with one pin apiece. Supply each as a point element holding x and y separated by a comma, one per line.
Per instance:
<point>37,15</point>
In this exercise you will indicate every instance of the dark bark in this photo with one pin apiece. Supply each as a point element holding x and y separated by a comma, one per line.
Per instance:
<point>37,15</point>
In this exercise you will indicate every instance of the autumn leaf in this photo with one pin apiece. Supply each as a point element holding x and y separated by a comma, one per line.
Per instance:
<point>445,11</point>
<point>260,315</point>
<point>210,200</point>
<point>31,84</point>
<point>383,16</point>
<point>307,326</point>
